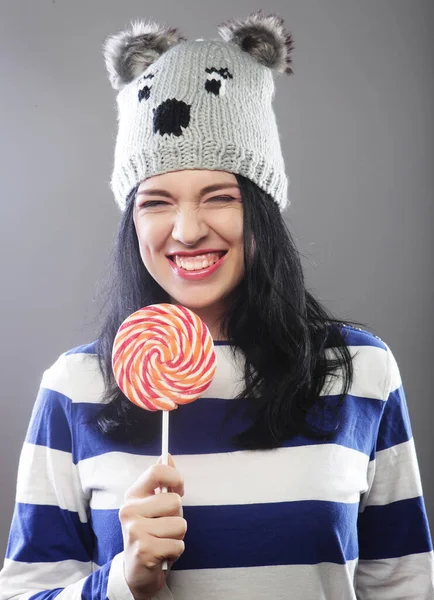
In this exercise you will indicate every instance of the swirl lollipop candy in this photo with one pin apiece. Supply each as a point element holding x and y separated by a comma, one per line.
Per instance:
<point>163,355</point>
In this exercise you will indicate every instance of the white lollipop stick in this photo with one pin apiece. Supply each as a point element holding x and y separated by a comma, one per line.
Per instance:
<point>165,458</point>
<point>165,441</point>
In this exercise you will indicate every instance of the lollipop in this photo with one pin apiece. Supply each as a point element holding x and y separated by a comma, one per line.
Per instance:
<point>163,355</point>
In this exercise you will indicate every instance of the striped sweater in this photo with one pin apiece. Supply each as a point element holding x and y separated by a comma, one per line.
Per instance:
<point>311,520</point>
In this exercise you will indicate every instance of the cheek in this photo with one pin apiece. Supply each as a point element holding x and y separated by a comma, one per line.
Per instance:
<point>236,228</point>
<point>230,226</point>
<point>151,234</point>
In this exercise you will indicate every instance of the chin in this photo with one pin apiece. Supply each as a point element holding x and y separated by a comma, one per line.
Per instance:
<point>193,302</point>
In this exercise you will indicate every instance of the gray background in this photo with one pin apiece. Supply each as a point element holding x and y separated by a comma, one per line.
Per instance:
<point>357,129</point>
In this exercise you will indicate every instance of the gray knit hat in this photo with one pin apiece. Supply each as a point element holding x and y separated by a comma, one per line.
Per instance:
<point>199,104</point>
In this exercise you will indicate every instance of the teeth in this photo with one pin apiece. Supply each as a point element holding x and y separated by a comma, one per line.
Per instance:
<point>196,263</point>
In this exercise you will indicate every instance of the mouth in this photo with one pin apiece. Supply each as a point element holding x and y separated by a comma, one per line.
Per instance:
<point>197,262</point>
<point>195,267</point>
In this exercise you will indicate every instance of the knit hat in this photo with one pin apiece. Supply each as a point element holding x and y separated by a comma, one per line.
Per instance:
<point>199,104</point>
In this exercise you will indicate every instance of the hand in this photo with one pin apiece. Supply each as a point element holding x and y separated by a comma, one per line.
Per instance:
<point>153,528</point>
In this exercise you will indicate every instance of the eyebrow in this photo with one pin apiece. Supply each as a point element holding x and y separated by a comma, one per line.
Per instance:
<point>205,190</point>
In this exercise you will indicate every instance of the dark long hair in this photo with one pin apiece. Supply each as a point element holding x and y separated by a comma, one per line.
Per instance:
<point>281,329</point>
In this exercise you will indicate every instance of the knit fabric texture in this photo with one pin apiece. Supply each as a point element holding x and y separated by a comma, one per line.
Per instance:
<point>200,105</point>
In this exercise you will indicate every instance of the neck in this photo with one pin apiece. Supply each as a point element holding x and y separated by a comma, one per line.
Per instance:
<point>211,316</point>
<point>213,326</point>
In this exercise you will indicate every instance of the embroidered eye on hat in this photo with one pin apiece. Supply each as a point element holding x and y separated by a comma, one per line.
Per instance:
<point>202,104</point>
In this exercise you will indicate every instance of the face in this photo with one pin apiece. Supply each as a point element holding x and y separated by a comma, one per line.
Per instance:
<point>190,230</point>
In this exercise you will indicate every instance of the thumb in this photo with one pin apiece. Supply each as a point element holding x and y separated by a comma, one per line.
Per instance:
<point>171,462</point>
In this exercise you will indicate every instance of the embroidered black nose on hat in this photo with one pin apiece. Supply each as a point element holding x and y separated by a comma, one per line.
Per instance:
<point>171,116</point>
<point>202,104</point>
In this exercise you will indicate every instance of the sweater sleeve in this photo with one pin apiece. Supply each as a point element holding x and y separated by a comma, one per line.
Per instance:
<point>395,548</point>
<point>51,541</point>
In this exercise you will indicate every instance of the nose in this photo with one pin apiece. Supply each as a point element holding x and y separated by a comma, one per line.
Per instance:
<point>189,227</point>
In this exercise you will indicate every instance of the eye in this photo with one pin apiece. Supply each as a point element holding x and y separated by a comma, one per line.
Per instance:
<point>221,199</point>
<point>144,93</point>
<point>153,204</point>
<point>145,87</point>
<point>216,80</point>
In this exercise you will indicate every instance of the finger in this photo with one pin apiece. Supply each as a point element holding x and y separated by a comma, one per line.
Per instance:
<point>167,549</point>
<point>171,463</point>
<point>173,528</point>
<point>162,549</point>
<point>157,476</point>
<point>152,507</point>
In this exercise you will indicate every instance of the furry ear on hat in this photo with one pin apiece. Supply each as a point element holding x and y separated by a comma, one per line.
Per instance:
<point>129,53</point>
<point>264,38</point>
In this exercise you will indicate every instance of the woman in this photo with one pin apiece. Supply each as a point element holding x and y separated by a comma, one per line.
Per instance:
<point>301,479</point>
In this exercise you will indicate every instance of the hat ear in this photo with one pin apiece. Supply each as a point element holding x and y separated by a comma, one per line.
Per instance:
<point>129,53</point>
<point>264,38</point>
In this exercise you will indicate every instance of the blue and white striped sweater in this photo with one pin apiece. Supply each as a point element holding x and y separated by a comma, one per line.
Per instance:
<point>308,521</point>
